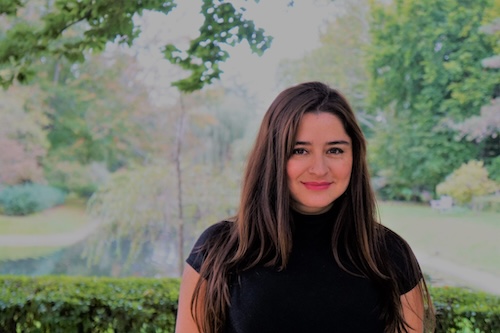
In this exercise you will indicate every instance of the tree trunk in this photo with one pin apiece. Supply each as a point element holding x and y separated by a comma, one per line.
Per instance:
<point>57,72</point>
<point>177,161</point>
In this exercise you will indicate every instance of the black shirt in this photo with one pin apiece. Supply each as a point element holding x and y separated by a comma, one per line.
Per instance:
<point>312,294</point>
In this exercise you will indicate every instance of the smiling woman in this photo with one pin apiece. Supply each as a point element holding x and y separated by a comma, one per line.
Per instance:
<point>305,252</point>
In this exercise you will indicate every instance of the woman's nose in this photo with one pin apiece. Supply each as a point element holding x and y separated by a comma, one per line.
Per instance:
<point>318,166</point>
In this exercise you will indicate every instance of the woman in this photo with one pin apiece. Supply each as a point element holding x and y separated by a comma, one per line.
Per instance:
<point>305,252</point>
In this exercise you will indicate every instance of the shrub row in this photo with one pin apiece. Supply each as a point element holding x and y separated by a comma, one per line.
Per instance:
<point>110,305</point>
<point>29,198</point>
<point>462,310</point>
<point>83,304</point>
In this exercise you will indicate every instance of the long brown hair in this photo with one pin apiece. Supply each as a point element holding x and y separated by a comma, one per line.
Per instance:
<point>260,234</point>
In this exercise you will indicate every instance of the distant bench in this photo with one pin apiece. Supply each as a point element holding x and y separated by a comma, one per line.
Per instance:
<point>442,204</point>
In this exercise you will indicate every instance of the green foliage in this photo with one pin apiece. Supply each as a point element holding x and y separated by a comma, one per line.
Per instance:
<point>223,25</point>
<point>9,7</point>
<point>97,305</point>
<point>73,177</point>
<point>494,169</point>
<point>70,127</point>
<point>412,157</point>
<point>425,56</point>
<point>91,24</point>
<point>29,198</point>
<point>462,310</point>
<point>468,181</point>
<point>426,71</point>
<point>100,115</point>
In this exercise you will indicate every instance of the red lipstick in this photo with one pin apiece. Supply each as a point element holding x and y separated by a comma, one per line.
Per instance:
<point>317,186</point>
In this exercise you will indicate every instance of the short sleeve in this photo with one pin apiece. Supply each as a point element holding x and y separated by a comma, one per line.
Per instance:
<point>200,248</point>
<point>406,267</point>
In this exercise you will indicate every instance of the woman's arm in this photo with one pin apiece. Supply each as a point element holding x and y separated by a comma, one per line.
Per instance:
<point>185,322</point>
<point>413,309</point>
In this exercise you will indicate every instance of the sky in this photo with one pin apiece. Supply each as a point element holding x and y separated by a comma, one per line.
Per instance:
<point>295,31</point>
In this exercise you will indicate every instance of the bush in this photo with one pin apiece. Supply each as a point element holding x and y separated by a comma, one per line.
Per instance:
<point>462,310</point>
<point>29,198</point>
<point>490,203</point>
<point>95,305</point>
<point>468,181</point>
<point>494,169</point>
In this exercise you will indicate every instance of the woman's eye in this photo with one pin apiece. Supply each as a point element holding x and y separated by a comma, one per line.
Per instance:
<point>335,151</point>
<point>299,151</point>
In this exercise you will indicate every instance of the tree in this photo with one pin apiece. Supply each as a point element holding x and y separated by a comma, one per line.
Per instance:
<point>23,141</point>
<point>91,24</point>
<point>97,120</point>
<point>17,164</point>
<point>139,207</point>
<point>426,71</point>
<point>98,113</point>
<point>485,127</point>
<point>156,207</point>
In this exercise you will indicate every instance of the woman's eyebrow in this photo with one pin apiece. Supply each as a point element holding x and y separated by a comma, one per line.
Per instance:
<point>339,142</point>
<point>336,142</point>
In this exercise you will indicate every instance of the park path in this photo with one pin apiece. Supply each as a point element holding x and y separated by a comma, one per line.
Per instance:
<point>442,271</point>
<point>445,272</point>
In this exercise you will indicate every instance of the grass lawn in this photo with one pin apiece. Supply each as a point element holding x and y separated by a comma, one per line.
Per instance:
<point>15,253</point>
<point>66,218</point>
<point>460,236</point>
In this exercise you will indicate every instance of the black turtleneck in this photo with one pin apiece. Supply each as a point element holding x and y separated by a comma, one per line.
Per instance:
<point>312,294</point>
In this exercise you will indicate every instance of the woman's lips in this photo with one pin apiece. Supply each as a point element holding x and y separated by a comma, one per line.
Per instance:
<point>317,185</point>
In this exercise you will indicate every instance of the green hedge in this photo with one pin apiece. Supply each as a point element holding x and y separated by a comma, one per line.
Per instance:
<point>97,305</point>
<point>109,305</point>
<point>462,310</point>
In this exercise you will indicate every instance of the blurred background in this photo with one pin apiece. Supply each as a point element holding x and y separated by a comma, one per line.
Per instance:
<point>118,148</point>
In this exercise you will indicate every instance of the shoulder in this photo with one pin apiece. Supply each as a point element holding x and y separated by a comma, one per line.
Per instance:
<point>208,238</point>
<point>213,232</point>
<point>402,258</point>
<point>394,241</point>
<point>397,248</point>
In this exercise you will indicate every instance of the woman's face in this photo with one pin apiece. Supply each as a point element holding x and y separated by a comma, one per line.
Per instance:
<point>319,168</point>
